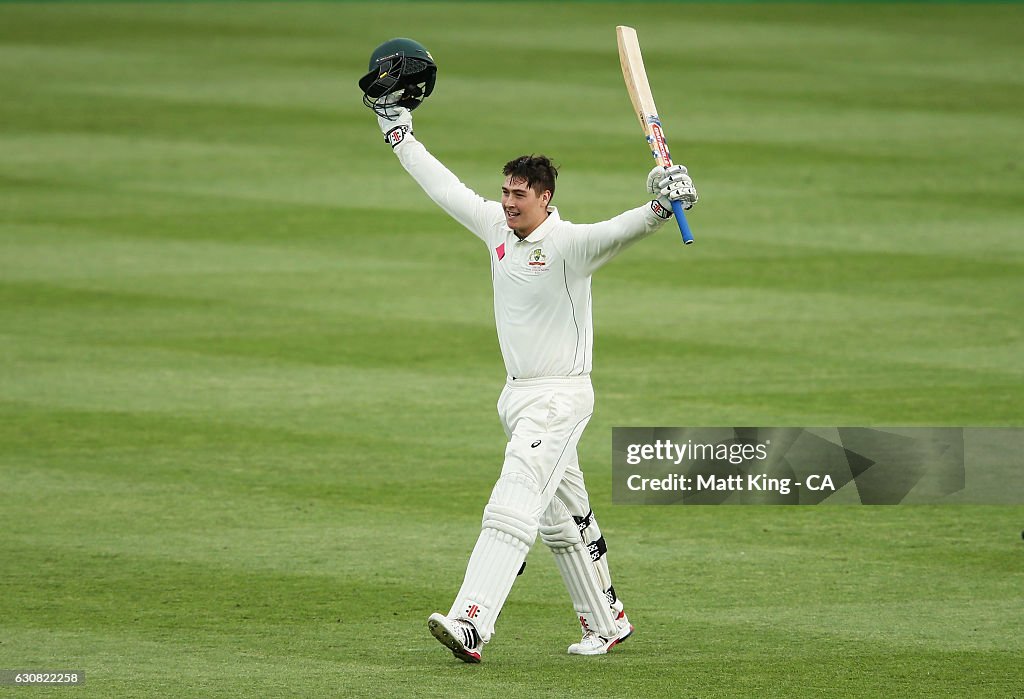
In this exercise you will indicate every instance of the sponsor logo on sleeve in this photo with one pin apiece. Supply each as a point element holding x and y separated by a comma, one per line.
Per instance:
<point>396,135</point>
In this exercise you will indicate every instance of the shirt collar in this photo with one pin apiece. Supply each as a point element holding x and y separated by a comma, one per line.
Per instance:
<point>542,230</point>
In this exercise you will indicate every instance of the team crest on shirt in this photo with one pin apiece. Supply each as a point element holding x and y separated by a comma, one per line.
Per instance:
<point>537,262</point>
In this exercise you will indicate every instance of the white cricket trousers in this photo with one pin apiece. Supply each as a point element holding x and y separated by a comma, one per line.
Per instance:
<point>543,419</point>
<point>554,412</point>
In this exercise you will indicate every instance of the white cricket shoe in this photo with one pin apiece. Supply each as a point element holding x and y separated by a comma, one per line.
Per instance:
<point>459,635</point>
<point>595,644</point>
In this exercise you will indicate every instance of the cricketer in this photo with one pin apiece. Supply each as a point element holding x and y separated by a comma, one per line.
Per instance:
<point>541,269</point>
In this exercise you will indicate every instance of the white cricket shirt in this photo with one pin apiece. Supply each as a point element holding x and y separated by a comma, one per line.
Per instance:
<point>542,305</point>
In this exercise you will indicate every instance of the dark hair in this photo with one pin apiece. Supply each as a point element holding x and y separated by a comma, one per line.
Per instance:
<point>538,171</point>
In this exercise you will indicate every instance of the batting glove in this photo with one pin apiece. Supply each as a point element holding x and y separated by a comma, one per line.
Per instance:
<point>669,185</point>
<point>396,128</point>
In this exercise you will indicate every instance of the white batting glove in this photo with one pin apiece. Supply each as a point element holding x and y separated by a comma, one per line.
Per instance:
<point>396,128</point>
<point>669,185</point>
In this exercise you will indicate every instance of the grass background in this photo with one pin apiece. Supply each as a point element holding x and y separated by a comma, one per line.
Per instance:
<point>248,371</point>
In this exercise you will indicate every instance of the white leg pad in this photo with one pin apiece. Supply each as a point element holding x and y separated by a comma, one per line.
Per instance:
<point>594,542</point>
<point>561,534</point>
<point>572,491</point>
<point>508,530</point>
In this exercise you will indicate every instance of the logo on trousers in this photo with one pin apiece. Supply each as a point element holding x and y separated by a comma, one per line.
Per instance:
<point>535,444</point>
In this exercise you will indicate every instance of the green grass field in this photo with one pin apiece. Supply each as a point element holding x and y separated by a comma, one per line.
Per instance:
<point>248,371</point>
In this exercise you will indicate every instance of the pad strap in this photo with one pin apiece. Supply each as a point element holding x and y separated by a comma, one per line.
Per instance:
<point>584,521</point>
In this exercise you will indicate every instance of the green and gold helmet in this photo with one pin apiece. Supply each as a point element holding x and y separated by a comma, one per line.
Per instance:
<point>401,73</point>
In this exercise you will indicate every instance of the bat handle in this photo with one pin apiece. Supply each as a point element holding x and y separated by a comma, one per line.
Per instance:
<point>684,227</point>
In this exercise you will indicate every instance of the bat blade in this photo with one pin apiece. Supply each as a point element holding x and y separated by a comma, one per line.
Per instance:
<point>635,75</point>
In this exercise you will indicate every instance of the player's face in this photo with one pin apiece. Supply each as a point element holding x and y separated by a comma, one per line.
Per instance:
<point>524,208</point>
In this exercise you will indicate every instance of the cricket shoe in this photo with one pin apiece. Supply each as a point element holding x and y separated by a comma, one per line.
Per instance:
<point>459,635</point>
<point>595,644</point>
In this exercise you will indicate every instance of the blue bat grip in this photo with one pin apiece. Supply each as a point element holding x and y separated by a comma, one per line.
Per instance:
<point>684,227</point>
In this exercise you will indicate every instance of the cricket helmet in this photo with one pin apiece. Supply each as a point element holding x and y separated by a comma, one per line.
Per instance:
<point>401,73</point>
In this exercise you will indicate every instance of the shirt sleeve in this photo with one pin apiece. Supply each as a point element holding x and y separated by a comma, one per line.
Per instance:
<point>587,247</point>
<point>459,201</point>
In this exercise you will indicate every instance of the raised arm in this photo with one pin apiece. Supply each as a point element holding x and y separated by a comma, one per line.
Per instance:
<point>588,247</point>
<point>460,202</point>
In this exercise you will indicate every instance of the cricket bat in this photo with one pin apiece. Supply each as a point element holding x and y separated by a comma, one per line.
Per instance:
<point>643,106</point>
